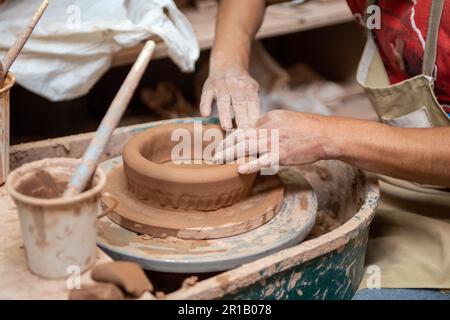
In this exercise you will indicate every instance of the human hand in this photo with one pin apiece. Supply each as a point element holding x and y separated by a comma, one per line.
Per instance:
<point>278,138</point>
<point>234,90</point>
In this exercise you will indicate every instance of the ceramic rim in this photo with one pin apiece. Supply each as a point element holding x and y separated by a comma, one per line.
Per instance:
<point>16,175</point>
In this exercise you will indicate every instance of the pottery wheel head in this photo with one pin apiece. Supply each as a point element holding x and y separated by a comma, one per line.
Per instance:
<point>292,223</point>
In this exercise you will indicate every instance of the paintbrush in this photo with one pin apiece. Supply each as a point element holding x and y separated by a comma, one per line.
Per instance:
<point>14,51</point>
<point>91,157</point>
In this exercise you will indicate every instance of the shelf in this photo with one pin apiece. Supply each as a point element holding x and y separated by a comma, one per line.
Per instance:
<point>279,19</point>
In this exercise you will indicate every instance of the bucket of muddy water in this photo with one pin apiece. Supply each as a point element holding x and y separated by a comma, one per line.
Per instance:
<point>4,126</point>
<point>59,234</point>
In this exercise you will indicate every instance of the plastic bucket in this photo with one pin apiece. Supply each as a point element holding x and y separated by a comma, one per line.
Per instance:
<point>59,234</point>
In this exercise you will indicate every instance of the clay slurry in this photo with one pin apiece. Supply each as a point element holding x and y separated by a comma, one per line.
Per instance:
<point>127,275</point>
<point>42,185</point>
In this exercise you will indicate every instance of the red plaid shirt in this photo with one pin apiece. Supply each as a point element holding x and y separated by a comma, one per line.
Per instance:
<point>401,41</point>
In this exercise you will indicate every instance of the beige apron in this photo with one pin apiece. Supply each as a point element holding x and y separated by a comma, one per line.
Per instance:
<point>410,235</point>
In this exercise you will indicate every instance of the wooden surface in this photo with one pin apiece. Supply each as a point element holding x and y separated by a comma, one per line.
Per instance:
<point>279,19</point>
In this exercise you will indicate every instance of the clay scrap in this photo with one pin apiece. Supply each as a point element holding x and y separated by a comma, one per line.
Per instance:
<point>127,275</point>
<point>98,291</point>
<point>189,282</point>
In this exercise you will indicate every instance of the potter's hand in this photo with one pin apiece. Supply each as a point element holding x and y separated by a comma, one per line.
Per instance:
<point>233,90</point>
<point>289,138</point>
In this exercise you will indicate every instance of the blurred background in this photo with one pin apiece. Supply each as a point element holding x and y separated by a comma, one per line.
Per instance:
<point>290,60</point>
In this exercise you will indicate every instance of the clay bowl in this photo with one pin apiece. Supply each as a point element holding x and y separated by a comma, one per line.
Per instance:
<point>152,177</point>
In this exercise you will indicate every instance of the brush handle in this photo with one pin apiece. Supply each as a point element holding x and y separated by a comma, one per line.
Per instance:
<point>14,51</point>
<point>91,157</point>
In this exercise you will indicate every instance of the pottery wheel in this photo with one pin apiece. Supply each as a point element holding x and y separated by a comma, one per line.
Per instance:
<point>143,217</point>
<point>290,226</point>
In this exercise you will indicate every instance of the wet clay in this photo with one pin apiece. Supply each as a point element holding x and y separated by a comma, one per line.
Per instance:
<point>143,217</point>
<point>189,282</point>
<point>40,184</point>
<point>99,291</point>
<point>151,176</point>
<point>127,275</point>
<point>160,295</point>
<point>326,221</point>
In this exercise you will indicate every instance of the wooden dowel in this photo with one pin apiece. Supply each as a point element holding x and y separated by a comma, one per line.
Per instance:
<point>91,157</point>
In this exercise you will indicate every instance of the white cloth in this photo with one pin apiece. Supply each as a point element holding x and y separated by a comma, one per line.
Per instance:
<point>73,44</point>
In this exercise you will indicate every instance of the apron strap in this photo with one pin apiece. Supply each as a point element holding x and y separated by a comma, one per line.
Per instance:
<point>434,21</point>
<point>429,59</point>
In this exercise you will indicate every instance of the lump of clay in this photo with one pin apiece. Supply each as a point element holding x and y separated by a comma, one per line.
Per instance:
<point>127,275</point>
<point>189,282</point>
<point>99,291</point>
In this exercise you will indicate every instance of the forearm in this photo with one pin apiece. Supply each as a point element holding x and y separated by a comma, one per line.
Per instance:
<point>237,23</point>
<point>420,155</point>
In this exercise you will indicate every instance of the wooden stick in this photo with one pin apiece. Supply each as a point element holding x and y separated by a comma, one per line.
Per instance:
<point>14,51</point>
<point>91,157</point>
<point>2,76</point>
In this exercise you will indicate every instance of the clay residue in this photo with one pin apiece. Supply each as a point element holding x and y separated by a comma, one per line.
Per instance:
<point>39,223</point>
<point>223,280</point>
<point>100,291</point>
<point>160,295</point>
<point>326,221</point>
<point>189,282</point>
<point>42,185</point>
<point>339,188</point>
<point>180,247</point>
<point>127,275</point>
<point>167,282</point>
<point>112,238</point>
